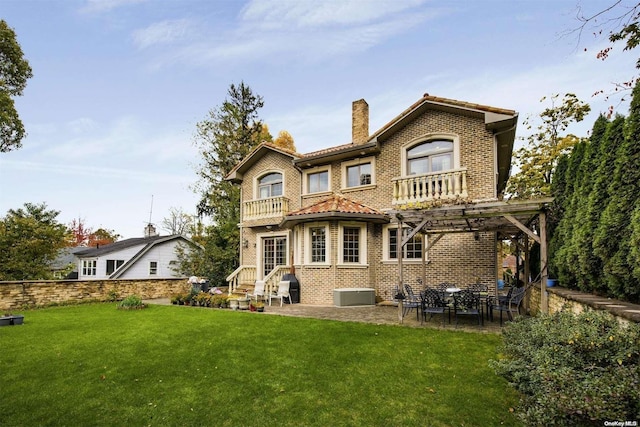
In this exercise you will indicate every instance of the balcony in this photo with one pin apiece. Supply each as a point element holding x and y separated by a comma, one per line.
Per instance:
<point>447,185</point>
<point>272,207</point>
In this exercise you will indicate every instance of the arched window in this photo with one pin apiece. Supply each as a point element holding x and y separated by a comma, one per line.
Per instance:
<point>270,185</point>
<point>430,156</point>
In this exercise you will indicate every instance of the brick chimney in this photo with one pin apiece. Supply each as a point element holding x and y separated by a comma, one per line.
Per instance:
<point>360,122</point>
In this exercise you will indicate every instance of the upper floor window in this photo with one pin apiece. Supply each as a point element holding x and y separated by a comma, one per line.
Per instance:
<point>153,268</point>
<point>358,173</point>
<point>270,185</point>
<point>318,181</point>
<point>430,156</point>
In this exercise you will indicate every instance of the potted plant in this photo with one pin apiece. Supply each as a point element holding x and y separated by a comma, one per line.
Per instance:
<point>259,305</point>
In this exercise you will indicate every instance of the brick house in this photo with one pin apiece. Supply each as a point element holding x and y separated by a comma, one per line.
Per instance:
<point>420,186</point>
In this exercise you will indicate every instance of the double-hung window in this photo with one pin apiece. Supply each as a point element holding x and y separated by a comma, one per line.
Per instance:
<point>358,173</point>
<point>270,185</point>
<point>153,268</point>
<point>318,182</point>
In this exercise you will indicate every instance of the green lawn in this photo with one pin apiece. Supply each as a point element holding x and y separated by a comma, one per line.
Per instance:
<point>184,366</point>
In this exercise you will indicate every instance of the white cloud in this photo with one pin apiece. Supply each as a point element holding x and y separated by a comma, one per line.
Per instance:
<point>165,32</point>
<point>100,6</point>
<point>307,31</point>
<point>278,14</point>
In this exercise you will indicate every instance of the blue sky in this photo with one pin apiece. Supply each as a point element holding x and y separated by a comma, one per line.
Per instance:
<point>119,85</point>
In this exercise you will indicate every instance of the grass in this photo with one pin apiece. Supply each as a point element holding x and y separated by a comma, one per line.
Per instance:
<point>177,366</point>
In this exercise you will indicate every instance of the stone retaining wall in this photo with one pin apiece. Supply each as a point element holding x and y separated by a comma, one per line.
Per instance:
<point>19,294</point>
<point>577,302</point>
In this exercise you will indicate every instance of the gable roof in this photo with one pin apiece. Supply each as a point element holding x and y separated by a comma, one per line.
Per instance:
<point>502,122</point>
<point>334,207</point>
<point>118,246</point>
<point>236,174</point>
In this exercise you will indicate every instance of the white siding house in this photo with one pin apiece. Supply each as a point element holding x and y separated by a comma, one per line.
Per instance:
<point>137,258</point>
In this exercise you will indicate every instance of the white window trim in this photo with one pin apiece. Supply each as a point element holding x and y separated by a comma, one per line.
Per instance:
<point>157,273</point>
<point>256,182</point>
<point>307,244</point>
<point>364,160</point>
<point>385,249</point>
<point>317,169</point>
<point>93,268</point>
<point>428,137</point>
<point>362,242</point>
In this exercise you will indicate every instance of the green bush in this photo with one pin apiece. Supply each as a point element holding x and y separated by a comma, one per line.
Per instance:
<point>572,369</point>
<point>132,301</point>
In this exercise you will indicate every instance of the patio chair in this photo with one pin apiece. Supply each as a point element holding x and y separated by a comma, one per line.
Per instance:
<point>258,291</point>
<point>512,304</point>
<point>467,303</point>
<point>433,302</point>
<point>411,301</point>
<point>283,292</point>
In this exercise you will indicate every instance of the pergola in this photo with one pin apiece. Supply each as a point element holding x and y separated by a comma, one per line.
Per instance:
<point>517,220</point>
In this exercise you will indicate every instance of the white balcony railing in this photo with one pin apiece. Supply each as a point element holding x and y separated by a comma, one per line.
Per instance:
<point>429,187</point>
<point>272,207</point>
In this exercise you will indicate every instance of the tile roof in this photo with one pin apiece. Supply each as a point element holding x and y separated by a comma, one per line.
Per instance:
<point>336,204</point>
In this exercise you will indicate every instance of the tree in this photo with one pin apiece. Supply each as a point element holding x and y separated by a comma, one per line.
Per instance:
<point>619,23</point>
<point>225,138</point>
<point>102,237</point>
<point>79,233</point>
<point>537,160</point>
<point>582,238</point>
<point>178,222</point>
<point>612,238</point>
<point>285,140</point>
<point>30,239</point>
<point>14,73</point>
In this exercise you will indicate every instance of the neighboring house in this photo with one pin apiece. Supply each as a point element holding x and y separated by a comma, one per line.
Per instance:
<point>428,186</point>
<point>151,257</point>
<point>65,266</point>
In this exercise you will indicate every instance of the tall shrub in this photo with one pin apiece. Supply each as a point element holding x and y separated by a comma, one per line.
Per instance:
<point>599,198</point>
<point>613,234</point>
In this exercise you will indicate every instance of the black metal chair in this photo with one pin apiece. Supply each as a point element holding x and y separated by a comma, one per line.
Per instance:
<point>467,303</point>
<point>411,301</point>
<point>433,302</point>
<point>511,303</point>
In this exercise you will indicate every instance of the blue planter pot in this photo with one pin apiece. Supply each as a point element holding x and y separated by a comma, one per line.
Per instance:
<point>552,282</point>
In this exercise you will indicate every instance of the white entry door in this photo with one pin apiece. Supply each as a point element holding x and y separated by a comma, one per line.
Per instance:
<point>274,253</point>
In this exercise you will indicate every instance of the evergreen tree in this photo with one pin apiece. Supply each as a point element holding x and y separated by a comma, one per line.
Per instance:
<point>614,231</point>
<point>634,240</point>
<point>564,259</point>
<point>582,238</point>
<point>598,200</point>
<point>224,138</point>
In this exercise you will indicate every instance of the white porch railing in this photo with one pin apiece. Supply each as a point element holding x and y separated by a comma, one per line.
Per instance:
<point>428,187</point>
<point>272,207</point>
<point>243,275</point>
<point>273,278</point>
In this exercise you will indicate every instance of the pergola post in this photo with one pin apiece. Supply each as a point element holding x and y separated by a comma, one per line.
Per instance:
<point>400,275</point>
<point>544,300</point>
